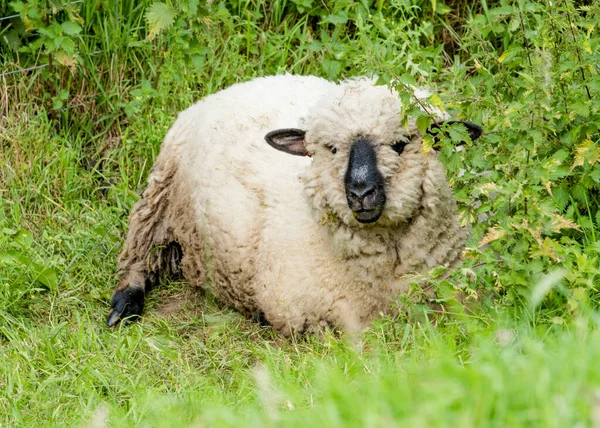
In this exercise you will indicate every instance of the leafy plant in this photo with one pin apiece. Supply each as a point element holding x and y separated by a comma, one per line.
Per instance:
<point>17,254</point>
<point>54,27</point>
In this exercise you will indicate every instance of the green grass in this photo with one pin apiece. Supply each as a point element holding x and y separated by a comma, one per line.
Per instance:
<point>72,165</point>
<point>202,365</point>
<point>190,362</point>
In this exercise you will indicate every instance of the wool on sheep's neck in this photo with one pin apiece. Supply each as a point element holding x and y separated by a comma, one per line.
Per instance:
<point>414,245</point>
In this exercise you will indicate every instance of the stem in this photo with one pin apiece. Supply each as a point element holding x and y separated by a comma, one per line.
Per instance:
<point>525,38</point>
<point>557,57</point>
<point>526,43</point>
<point>418,100</point>
<point>578,56</point>
<point>527,169</point>
<point>53,87</point>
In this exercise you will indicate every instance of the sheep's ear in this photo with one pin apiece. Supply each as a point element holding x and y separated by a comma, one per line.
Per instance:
<point>475,131</point>
<point>289,140</point>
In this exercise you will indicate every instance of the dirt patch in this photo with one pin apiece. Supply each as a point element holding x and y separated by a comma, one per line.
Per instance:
<point>184,304</point>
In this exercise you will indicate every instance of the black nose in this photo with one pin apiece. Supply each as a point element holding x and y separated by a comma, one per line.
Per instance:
<point>360,191</point>
<point>364,185</point>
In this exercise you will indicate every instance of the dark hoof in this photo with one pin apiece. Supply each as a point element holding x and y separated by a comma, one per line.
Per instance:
<point>259,317</point>
<point>127,305</point>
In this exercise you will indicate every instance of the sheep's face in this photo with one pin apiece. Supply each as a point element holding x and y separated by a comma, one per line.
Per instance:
<point>363,178</point>
<point>367,168</point>
<point>350,177</point>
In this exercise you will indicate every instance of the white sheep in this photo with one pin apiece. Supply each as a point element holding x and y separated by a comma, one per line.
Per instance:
<point>325,237</point>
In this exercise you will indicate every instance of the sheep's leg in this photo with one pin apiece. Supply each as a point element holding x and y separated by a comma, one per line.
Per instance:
<point>141,270</point>
<point>139,276</point>
<point>150,249</point>
<point>127,302</point>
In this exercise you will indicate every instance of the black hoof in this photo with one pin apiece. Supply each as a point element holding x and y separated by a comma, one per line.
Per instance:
<point>259,317</point>
<point>127,306</point>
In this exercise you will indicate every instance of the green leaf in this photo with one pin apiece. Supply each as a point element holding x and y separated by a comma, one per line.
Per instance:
<point>198,61</point>
<point>442,9</point>
<point>12,40</point>
<point>331,67</point>
<point>190,6</point>
<point>71,28</point>
<point>580,108</point>
<point>423,122</point>
<point>47,32</point>
<point>438,271</point>
<point>303,5</point>
<point>338,19</point>
<point>57,42</point>
<point>159,17</point>
<point>24,238</point>
<point>34,13</point>
<point>7,231</point>
<point>68,45</point>
<point>458,133</point>
<point>314,46</point>
<point>12,257</point>
<point>407,79</point>
<point>18,6</point>
<point>561,196</point>
<point>43,274</point>
<point>46,276</point>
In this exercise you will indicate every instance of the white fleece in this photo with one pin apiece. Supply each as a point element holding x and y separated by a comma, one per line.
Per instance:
<point>271,232</point>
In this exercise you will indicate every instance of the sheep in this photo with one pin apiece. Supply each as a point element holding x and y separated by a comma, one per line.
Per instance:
<point>295,200</point>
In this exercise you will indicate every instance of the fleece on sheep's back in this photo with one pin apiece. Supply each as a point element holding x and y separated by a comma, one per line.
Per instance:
<point>273,231</point>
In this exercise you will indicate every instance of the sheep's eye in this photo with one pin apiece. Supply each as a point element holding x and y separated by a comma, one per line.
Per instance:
<point>331,149</point>
<point>398,146</point>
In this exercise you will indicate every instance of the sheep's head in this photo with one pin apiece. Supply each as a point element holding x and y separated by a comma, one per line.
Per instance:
<point>366,166</point>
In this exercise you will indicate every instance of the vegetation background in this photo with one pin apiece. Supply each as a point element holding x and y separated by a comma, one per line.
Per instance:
<point>88,89</point>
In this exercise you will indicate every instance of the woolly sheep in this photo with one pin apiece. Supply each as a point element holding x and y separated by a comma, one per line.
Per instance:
<point>326,237</point>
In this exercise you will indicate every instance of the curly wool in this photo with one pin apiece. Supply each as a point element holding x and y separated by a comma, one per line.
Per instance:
<point>272,233</point>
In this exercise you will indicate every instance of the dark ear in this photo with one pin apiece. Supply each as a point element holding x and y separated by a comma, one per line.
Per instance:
<point>289,140</point>
<point>475,131</point>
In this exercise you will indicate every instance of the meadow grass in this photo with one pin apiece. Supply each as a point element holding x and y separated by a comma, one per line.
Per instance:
<point>190,362</point>
<point>70,170</point>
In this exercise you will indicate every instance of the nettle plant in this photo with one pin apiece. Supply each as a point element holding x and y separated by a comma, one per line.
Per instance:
<point>531,186</point>
<point>46,29</point>
<point>45,36</point>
